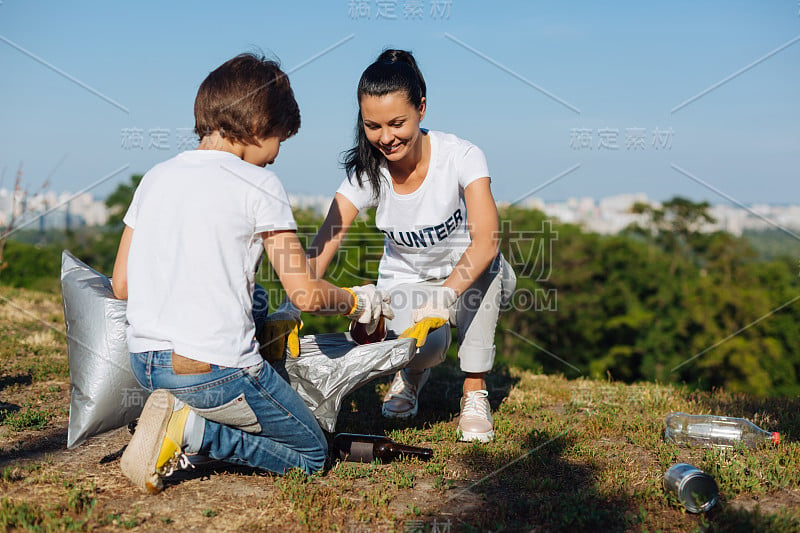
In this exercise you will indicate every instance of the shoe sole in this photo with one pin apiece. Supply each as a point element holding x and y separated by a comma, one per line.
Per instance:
<point>406,414</point>
<point>413,412</point>
<point>471,436</point>
<point>139,460</point>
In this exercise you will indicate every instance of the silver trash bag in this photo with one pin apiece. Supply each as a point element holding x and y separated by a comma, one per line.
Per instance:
<point>331,365</point>
<point>104,395</point>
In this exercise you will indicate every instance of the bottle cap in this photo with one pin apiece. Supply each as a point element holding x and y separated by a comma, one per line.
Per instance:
<point>776,437</point>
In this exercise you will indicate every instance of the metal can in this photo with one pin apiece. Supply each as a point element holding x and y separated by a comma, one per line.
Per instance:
<point>695,489</point>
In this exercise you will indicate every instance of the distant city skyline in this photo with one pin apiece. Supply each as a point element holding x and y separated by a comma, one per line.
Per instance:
<point>566,99</point>
<point>607,215</point>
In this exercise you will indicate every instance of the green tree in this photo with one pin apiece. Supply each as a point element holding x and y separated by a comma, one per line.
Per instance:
<point>97,247</point>
<point>119,200</point>
<point>675,226</point>
<point>664,302</point>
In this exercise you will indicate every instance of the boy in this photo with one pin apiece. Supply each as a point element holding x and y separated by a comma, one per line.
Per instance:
<point>194,233</point>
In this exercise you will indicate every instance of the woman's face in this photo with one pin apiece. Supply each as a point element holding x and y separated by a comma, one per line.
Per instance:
<point>391,123</point>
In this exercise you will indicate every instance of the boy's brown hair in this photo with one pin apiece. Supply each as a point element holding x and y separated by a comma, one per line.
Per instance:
<point>246,97</point>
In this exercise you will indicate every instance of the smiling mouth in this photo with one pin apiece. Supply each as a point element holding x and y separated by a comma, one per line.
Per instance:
<point>391,148</point>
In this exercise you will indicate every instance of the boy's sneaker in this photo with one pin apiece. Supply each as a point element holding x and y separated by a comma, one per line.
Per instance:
<point>156,447</point>
<point>402,399</point>
<point>475,423</point>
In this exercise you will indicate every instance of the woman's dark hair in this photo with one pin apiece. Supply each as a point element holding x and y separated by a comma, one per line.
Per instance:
<point>394,70</point>
<point>246,98</point>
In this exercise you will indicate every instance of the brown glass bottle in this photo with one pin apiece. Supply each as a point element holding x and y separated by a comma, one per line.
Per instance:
<point>358,332</point>
<point>367,448</point>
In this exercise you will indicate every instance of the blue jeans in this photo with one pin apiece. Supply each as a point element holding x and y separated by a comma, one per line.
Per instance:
<point>252,416</point>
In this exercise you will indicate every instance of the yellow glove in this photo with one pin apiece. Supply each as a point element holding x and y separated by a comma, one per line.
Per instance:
<point>280,331</point>
<point>421,329</point>
<point>276,335</point>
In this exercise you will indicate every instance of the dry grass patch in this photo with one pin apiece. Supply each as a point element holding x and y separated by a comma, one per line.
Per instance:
<point>569,455</point>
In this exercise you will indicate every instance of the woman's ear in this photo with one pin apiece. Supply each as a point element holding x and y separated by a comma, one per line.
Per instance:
<point>421,108</point>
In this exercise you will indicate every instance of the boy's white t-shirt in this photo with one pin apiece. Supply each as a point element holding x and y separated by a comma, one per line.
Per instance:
<point>425,231</point>
<point>196,221</point>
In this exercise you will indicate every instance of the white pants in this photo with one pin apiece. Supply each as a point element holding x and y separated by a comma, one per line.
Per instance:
<point>474,315</point>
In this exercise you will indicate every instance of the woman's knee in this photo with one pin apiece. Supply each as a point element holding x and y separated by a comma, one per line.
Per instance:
<point>434,351</point>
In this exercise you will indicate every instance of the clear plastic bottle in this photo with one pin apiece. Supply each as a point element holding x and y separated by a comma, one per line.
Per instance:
<point>367,448</point>
<point>716,431</point>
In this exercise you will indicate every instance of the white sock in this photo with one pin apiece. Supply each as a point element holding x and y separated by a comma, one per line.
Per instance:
<point>193,432</point>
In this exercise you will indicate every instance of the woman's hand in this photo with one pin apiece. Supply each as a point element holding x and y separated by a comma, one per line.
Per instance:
<point>437,304</point>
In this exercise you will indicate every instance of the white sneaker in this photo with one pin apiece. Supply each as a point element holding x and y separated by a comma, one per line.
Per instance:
<point>476,423</point>
<point>402,399</point>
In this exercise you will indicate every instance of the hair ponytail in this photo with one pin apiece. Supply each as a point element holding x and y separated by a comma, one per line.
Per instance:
<point>394,70</point>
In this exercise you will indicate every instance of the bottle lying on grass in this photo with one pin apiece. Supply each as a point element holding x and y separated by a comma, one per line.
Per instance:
<point>716,431</point>
<point>367,448</point>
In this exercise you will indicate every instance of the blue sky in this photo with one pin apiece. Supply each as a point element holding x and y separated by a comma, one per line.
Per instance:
<point>565,98</point>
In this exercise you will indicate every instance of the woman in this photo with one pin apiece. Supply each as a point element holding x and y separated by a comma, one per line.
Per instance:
<point>438,264</point>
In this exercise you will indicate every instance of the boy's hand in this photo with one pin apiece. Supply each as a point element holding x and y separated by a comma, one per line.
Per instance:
<point>371,303</point>
<point>276,336</point>
<point>386,311</point>
<point>281,330</point>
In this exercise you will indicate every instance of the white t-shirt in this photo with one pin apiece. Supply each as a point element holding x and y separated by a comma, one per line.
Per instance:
<point>425,231</point>
<point>196,220</point>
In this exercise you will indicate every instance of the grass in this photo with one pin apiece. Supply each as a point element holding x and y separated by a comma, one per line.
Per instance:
<point>74,511</point>
<point>569,455</point>
<point>29,418</point>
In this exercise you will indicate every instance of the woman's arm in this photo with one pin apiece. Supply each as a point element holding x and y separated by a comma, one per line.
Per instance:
<point>340,217</point>
<point>483,231</point>
<point>119,277</point>
<point>304,289</point>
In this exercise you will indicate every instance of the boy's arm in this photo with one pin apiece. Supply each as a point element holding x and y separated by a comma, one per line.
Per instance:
<point>340,217</point>
<point>302,286</point>
<point>119,277</point>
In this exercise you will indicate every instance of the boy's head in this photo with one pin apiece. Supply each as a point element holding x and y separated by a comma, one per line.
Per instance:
<point>245,99</point>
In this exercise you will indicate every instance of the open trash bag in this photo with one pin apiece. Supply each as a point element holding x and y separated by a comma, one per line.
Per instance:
<point>331,365</point>
<point>104,395</point>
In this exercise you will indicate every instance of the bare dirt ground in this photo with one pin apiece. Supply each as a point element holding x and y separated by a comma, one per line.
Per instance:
<point>216,497</point>
<point>569,455</point>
